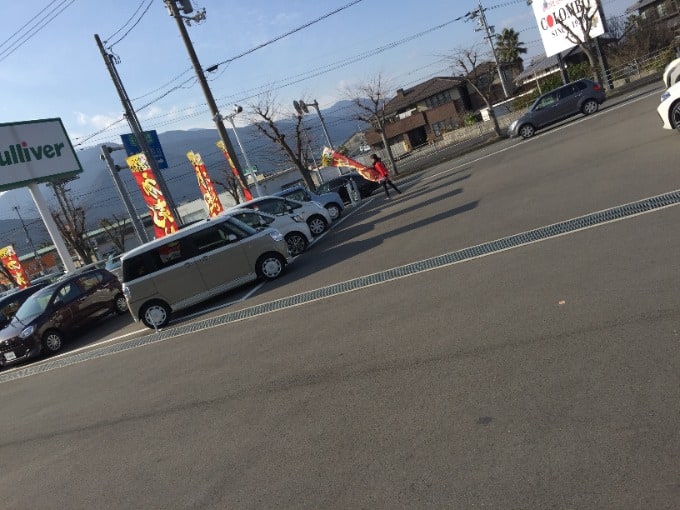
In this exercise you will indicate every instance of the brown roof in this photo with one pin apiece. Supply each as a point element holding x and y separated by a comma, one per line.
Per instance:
<point>406,98</point>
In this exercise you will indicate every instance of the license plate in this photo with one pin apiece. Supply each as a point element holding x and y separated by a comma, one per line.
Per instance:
<point>10,356</point>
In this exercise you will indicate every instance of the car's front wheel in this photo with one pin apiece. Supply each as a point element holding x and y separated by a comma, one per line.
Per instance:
<point>589,107</point>
<point>527,131</point>
<point>334,211</point>
<point>675,116</point>
<point>120,305</point>
<point>270,266</point>
<point>297,243</point>
<point>317,225</point>
<point>155,314</point>
<point>52,341</point>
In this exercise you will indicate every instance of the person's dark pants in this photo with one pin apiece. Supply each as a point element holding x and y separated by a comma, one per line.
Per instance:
<point>385,182</point>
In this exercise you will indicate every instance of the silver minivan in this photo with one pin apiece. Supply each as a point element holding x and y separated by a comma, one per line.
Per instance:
<point>196,263</point>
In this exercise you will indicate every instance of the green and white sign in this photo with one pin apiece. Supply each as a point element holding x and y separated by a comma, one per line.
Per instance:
<point>35,151</point>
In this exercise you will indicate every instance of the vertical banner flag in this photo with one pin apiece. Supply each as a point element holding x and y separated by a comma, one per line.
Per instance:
<point>329,157</point>
<point>246,192</point>
<point>9,259</point>
<point>163,221</point>
<point>205,184</point>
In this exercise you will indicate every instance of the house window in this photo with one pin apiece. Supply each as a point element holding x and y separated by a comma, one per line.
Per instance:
<point>438,128</point>
<point>439,99</point>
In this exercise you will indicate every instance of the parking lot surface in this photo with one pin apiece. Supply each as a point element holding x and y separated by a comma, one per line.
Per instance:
<point>503,335</point>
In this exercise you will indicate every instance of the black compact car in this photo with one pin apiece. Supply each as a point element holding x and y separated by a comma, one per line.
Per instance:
<point>11,301</point>
<point>52,314</point>
<point>338,184</point>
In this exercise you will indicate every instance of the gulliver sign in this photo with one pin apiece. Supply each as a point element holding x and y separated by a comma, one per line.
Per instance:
<point>35,151</point>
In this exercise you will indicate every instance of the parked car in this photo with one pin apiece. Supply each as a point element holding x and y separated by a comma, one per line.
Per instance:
<point>671,73</point>
<point>669,109</point>
<point>338,184</point>
<point>56,312</point>
<point>330,200</point>
<point>11,301</point>
<point>581,96</point>
<point>113,265</point>
<point>196,263</point>
<point>292,226</point>
<point>317,217</point>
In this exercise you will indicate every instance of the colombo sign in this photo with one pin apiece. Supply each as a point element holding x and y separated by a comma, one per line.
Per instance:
<point>553,15</point>
<point>35,151</point>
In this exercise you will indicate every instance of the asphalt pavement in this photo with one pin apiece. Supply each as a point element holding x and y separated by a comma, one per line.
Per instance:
<point>432,351</point>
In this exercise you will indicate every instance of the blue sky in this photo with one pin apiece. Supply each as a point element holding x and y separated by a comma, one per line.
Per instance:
<point>57,71</point>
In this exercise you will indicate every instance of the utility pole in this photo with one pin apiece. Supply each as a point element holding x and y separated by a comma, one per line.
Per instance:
<point>136,128</point>
<point>238,109</point>
<point>217,117</point>
<point>489,37</point>
<point>30,241</point>
<point>113,170</point>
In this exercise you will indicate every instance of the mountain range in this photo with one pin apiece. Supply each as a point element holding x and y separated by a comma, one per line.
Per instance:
<point>94,189</point>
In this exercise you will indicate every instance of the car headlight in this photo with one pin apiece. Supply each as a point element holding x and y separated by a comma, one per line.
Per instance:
<point>317,203</point>
<point>298,218</point>
<point>665,96</point>
<point>27,331</point>
<point>276,235</point>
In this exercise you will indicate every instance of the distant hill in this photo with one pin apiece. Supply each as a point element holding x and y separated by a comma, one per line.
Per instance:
<point>94,189</point>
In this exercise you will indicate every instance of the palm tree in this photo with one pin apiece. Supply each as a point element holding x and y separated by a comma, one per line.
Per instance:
<point>509,47</point>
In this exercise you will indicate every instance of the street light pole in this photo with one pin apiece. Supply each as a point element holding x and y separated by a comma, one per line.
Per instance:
<point>301,108</point>
<point>216,116</point>
<point>30,241</point>
<point>489,37</point>
<point>230,118</point>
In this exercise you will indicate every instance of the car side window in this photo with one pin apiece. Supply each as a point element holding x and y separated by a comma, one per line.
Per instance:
<point>565,92</point>
<point>546,101</point>
<point>299,194</point>
<point>208,239</point>
<point>249,218</point>
<point>67,294</point>
<point>579,85</point>
<point>291,205</point>
<point>90,281</point>
<point>169,254</point>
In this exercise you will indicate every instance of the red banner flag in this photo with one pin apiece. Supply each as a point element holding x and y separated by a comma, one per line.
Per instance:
<point>9,259</point>
<point>163,221</point>
<point>246,192</point>
<point>205,184</point>
<point>329,157</point>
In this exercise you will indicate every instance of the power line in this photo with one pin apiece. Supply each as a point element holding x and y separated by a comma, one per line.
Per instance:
<point>132,27</point>
<point>27,23</point>
<point>35,29</point>
<point>127,22</point>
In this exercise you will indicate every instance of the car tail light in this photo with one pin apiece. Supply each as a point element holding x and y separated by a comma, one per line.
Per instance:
<point>597,87</point>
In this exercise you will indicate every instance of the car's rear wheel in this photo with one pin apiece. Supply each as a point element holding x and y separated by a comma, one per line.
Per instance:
<point>270,266</point>
<point>675,115</point>
<point>297,243</point>
<point>155,314</point>
<point>527,131</point>
<point>120,305</point>
<point>334,211</point>
<point>317,224</point>
<point>589,107</point>
<point>52,341</point>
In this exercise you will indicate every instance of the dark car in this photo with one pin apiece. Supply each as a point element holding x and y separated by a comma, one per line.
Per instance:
<point>581,96</point>
<point>338,184</point>
<point>10,302</point>
<point>56,312</point>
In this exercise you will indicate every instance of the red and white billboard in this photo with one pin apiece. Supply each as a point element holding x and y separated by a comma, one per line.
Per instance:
<point>552,16</point>
<point>35,151</point>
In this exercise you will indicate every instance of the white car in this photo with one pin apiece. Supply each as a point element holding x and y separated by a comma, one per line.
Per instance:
<point>317,217</point>
<point>669,109</point>
<point>293,227</point>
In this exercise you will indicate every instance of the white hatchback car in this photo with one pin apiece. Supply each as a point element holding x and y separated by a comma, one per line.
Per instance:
<point>669,109</point>
<point>317,217</point>
<point>293,227</point>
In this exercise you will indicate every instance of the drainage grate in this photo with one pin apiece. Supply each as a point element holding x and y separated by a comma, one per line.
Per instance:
<point>539,234</point>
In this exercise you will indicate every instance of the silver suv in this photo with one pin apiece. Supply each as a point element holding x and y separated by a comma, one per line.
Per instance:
<point>582,96</point>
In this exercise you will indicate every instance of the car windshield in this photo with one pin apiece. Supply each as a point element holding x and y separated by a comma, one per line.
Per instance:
<point>34,305</point>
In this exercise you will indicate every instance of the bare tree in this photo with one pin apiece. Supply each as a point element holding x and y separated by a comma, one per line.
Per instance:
<point>637,38</point>
<point>585,13</point>
<point>230,185</point>
<point>466,63</point>
<point>369,99</point>
<point>115,231</point>
<point>70,221</point>
<point>265,114</point>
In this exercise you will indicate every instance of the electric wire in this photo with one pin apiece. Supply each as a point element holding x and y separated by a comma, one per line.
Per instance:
<point>127,22</point>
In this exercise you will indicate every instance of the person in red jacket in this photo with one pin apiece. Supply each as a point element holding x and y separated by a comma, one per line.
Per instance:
<point>380,167</point>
